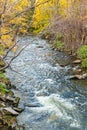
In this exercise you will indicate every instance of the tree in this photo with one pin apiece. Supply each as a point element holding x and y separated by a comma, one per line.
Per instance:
<point>12,22</point>
<point>70,22</point>
<point>42,15</point>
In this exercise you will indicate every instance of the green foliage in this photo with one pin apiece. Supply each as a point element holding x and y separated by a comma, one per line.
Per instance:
<point>2,75</point>
<point>59,37</point>
<point>3,89</point>
<point>84,63</point>
<point>3,83</point>
<point>4,79</point>
<point>59,41</point>
<point>82,54</point>
<point>58,44</point>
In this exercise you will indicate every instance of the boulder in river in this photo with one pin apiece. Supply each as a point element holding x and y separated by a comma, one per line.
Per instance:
<point>77,61</point>
<point>9,110</point>
<point>77,76</point>
<point>18,109</point>
<point>16,101</point>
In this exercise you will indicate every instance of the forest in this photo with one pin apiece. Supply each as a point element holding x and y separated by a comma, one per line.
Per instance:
<point>62,23</point>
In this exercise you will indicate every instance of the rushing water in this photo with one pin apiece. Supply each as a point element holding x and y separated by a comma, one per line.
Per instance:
<point>50,100</point>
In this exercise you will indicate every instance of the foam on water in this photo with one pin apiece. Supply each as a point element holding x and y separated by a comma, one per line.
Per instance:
<point>54,102</point>
<point>59,109</point>
<point>47,65</point>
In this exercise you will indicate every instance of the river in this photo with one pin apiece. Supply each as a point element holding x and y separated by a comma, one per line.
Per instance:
<point>51,101</point>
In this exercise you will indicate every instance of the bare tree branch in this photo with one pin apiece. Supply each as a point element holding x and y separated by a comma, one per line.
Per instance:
<point>11,48</point>
<point>6,33</point>
<point>15,56</point>
<point>20,13</point>
<point>24,11</point>
<point>4,8</point>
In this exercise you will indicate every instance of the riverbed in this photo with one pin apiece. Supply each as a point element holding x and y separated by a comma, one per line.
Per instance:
<point>49,99</point>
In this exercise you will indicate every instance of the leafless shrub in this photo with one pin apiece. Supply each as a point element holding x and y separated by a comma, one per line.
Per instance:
<point>73,27</point>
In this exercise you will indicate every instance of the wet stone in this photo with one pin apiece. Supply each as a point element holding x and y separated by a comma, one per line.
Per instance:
<point>33,105</point>
<point>10,111</point>
<point>18,109</point>
<point>16,101</point>
<point>77,61</point>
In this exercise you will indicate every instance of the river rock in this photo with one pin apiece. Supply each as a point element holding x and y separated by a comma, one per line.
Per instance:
<point>13,86</point>
<point>11,94</point>
<point>39,46</point>
<point>16,101</point>
<point>2,104</point>
<point>78,70</point>
<point>9,110</point>
<point>2,98</point>
<point>33,105</point>
<point>77,61</point>
<point>8,98</point>
<point>1,114</point>
<point>83,76</point>
<point>17,109</point>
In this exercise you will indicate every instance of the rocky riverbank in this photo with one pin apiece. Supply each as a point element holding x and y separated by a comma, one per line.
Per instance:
<point>8,103</point>
<point>77,71</point>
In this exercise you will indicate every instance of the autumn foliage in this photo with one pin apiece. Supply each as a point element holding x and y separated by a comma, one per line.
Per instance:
<point>12,21</point>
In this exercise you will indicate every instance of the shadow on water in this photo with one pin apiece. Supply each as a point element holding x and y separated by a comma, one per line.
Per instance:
<point>49,99</point>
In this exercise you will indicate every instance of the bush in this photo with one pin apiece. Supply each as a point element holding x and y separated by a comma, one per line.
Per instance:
<point>82,54</point>
<point>59,37</point>
<point>2,75</point>
<point>72,25</point>
<point>59,44</point>
<point>84,63</point>
<point>3,89</point>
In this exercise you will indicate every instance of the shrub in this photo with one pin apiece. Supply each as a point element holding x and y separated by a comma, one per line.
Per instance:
<point>2,75</point>
<point>72,25</point>
<point>59,37</point>
<point>3,89</point>
<point>82,54</point>
<point>59,44</point>
<point>84,63</point>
